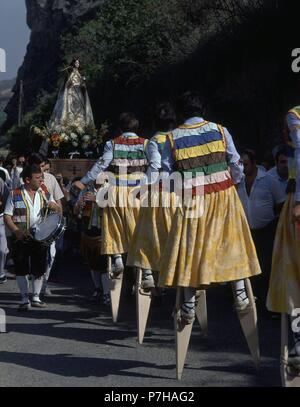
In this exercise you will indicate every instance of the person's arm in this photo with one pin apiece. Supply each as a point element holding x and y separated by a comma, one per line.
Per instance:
<point>54,206</point>
<point>101,165</point>
<point>154,159</point>
<point>233,159</point>
<point>4,193</point>
<point>8,220</point>
<point>79,204</point>
<point>167,160</point>
<point>58,194</point>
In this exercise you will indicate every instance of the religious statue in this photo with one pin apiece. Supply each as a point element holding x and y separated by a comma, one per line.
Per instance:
<point>72,119</point>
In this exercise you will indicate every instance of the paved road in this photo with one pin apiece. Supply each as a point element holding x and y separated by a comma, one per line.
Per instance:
<point>74,343</point>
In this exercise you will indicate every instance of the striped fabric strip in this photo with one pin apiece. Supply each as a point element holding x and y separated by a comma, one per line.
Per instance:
<point>216,178</point>
<point>214,147</point>
<point>194,126</point>
<point>129,155</point>
<point>197,139</point>
<point>211,188</point>
<point>130,141</point>
<point>209,169</point>
<point>127,183</point>
<point>129,163</point>
<point>203,161</point>
<point>19,205</point>
<point>123,147</point>
<point>116,169</point>
<point>134,176</point>
<point>160,138</point>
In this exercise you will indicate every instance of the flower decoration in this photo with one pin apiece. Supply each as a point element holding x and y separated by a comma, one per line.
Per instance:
<point>69,137</point>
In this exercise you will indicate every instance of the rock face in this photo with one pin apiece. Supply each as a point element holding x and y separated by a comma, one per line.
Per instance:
<point>47,19</point>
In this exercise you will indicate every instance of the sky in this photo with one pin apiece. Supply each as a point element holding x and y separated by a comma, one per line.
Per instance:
<point>14,36</point>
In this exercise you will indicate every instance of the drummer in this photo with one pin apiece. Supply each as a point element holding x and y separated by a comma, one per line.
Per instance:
<point>52,186</point>
<point>24,209</point>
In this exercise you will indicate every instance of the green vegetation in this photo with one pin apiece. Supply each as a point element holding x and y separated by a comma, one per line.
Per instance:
<point>134,52</point>
<point>130,39</point>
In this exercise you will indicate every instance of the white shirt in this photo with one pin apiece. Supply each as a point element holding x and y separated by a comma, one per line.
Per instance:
<point>53,186</point>
<point>34,207</point>
<point>259,205</point>
<point>279,185</point>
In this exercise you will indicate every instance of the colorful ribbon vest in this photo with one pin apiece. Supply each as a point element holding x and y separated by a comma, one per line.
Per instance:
<point>199,152</point>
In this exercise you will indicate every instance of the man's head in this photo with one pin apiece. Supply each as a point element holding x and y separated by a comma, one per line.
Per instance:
<point>190,104</point>
<point>165,117</point>
<point>47,166</point>
<point>249,161</point>
<point>32,176</point>
<point>128,123</point>
<point>281,162</point>
<point>37,159</point>
<point>21,160</point>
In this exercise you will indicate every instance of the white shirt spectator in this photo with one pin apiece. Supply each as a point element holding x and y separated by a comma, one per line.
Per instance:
<point>259,205</point>
<point>279,185</point>
<point>53,186</point>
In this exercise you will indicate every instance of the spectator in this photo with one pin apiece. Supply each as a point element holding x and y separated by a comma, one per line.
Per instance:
<point>259,199</point>
<point>7,179</point>
<point>280,175</point>
<point>4,192</point>
<point>15,172</point>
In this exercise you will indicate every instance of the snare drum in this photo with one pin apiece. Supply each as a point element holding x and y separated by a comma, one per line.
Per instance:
<point>50,228</point>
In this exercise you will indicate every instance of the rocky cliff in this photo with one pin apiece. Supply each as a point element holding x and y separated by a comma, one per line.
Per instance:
<point>48,20</point>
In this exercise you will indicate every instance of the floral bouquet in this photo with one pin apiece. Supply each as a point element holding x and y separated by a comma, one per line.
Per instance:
<point>71,140</point>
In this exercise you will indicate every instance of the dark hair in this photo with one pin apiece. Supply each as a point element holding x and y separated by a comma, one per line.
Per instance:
<point>29,171</point>
<point>281,151</point>
<point>191,104</point>
<point>251,155</point>
<point>36,158</point>
<point>128,122</point>
<point>165,116</point>
<point>3,175</point>
<point>47,161</point>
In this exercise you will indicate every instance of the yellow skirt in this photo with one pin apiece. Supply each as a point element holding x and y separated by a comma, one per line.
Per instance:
<point>212,248</point>
<point>284,286</point>
<point>119,220</point>
<point>151,233</point>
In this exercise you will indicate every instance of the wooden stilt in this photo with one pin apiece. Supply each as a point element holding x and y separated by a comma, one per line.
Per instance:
<point>248,321</point>
<point>182,335</point>
<point>290,377</point>
<point>201,311</point>
<point>143,302</point>
<point>115,290</point>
